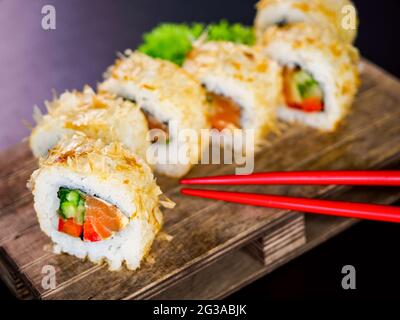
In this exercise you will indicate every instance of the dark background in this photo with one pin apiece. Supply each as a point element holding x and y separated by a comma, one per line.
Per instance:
<point>90,32</point>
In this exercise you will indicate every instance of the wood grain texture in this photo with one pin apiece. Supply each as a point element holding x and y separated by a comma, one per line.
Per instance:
<point>280,240</point>
<point>203,231</point>
<point>239,268</point>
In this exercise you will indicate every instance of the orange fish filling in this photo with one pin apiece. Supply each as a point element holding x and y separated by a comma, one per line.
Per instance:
<point>103,218</point>
<point>225,113</point>
<point>97,221</point>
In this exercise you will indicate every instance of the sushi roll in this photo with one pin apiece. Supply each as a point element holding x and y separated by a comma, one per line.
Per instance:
<point>328,14</point>
<point>320,74</point>
<point>101,116</point>
<point>173,102</point>
<point>243,86</point>
<point>97,201</point>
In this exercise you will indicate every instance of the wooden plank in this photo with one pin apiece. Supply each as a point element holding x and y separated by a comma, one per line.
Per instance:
<point>12,278</point>
<point>279,240</point>
<point>16,220</point>
<point>239,268</point>
<point>203,230</point>
<point>216,230</point>
<point>15,158</point>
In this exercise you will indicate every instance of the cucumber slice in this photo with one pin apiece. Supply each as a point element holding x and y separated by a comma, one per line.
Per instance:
<point>80,215</point>
<point>68,209</point>
<point>80,212</point>
<point>305,84</point>
<point>72,204</point>
<point>302,76</point>
<point>61,214</point>
<point>313,91</point>
<point>62,194</point>
<point>73,196</point>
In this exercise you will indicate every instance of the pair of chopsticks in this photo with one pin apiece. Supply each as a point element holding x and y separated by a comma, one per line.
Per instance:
<point>326,207</point>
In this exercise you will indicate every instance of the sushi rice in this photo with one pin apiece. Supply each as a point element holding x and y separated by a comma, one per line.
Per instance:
<point>327,14</point>
<point>333,64</point>
<point>98,116</point>
<point>245,76</point>
<point>167,93</point>
<point>111,173</point>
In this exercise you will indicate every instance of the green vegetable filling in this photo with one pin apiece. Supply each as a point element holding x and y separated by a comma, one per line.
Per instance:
<point>307,86</point>
<point>72,204</point>
<point>173,41</point>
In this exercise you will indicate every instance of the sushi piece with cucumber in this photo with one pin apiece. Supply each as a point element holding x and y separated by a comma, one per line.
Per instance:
<point>243,86</point>
<point>338,16</point>
<point>98,201</point>
<point>88,217</point>
<point>320,74</point>
<point>98,116</point>
<point>173,102</point>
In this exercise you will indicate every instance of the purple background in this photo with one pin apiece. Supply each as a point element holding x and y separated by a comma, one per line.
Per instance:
<point>90,32</point>
<point>33,61</point>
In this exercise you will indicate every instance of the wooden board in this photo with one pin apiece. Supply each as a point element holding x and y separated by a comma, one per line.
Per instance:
<point>203,231</point>
<point>279,241</point>
<point>239,268</point>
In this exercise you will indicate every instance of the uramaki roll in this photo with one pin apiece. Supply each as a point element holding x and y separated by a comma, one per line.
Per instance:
<point>243,86</point>
<point>97,201</point>
<point>103,116</point>
<point>328,14</point>
<point>321,74</point>
<point>166,94</point>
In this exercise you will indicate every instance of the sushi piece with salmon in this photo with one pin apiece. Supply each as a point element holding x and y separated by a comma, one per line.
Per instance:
<point>98,201</point>
<point>320,74</point>
<point>173,102</point>
<point>243,86</point>
<point>338,16</point>
<point>98,116</point>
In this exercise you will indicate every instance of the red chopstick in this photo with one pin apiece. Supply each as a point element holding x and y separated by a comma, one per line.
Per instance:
<point>371,178</point>
<point>327,207</point>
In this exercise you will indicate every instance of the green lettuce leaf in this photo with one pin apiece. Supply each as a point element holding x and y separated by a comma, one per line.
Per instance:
<point>223,31</point>
<point>170,41</point>
<point>173,41</point>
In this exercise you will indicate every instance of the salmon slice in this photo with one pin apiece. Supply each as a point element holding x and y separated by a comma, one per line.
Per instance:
<point>102,220</point>
<point>89,234</point>
<point>225,112</point>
